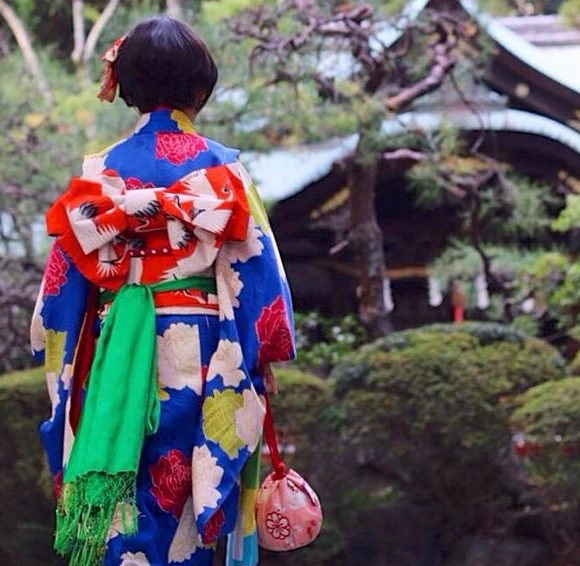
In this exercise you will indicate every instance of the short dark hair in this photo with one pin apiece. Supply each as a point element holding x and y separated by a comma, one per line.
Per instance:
<point>163,62</point>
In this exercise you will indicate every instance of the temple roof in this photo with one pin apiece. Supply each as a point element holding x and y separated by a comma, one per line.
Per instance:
<point>505,35</point>
<point>305,164</point>
<point>546,31</point>
<point>541,89</point>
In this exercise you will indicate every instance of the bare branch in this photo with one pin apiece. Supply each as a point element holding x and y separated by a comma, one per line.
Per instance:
<point>98,28</point>
<point>443,58</point>
<point>78,21</point>
<point>22,38</point>
<point>404,154</point>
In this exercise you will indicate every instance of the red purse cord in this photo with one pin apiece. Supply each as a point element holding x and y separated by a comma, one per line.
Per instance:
<point>270,437</point>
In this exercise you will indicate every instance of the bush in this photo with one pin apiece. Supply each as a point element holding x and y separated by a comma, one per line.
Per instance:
<point>485,332</point>
<point>26,515</point>
<point>322,342</point>
<point>574,365</point>
<point>432,406</point>
<point>548,420</point>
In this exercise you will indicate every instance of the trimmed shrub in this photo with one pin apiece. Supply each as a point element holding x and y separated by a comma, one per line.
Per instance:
<point>322,342</point>
<point>548,419</point>
<point>574,365</point>
<point>431,406</point>
<point>26,515</point>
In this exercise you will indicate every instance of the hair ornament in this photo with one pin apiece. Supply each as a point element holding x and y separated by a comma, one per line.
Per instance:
<point>108,88</point>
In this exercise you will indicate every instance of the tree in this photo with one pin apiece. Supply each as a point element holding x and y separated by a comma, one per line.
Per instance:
<point>292,44</point>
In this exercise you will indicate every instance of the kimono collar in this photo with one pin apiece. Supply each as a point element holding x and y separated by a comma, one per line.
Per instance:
<point>164,120</point>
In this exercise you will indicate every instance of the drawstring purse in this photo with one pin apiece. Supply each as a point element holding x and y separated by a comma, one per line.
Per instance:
<point>288,512</point>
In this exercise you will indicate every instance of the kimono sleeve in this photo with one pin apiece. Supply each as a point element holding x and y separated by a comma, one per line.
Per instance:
<point>55,328</point>
<point>260,303</point>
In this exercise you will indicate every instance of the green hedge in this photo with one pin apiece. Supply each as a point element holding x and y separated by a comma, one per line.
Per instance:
<point>26,513</point>
<point>549,420</point>
<point>432,406</point>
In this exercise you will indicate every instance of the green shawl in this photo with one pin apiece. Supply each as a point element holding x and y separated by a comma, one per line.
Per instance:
<point>121,407</point>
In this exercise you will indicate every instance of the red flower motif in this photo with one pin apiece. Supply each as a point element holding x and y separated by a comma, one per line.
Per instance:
<point>133,183</point>
<point>212,529</point>
<point>55,273</point>
<point>278,525</point>
<point>57,485</point>
<point>274,333</point>
<point>171,479</point>
<point>177,147</point>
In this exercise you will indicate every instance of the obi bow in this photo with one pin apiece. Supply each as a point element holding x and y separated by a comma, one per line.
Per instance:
<point>98,222</point>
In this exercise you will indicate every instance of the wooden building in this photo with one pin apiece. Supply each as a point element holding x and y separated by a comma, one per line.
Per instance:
<point>531,119</point>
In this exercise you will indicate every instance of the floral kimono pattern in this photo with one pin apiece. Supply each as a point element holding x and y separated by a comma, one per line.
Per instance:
<point>166,203</point>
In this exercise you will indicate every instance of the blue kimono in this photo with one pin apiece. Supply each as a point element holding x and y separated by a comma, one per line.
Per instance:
<point>197,476</point>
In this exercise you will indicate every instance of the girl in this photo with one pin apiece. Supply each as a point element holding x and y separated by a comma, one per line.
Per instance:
<point>163,302</point>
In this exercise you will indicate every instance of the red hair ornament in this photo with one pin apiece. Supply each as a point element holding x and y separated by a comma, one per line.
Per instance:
<point>108,89</point>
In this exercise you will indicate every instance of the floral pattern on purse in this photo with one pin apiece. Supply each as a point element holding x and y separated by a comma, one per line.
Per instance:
<point>288,511</point>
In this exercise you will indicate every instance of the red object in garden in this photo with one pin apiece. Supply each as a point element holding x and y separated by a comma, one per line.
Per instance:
<point>458,303</point>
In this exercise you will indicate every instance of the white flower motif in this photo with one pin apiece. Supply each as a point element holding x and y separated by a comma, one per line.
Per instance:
<point>37,330</point>
<point>52,387</point>
<point>93,166</point>
<point>225,362</point>
<point>206,477</point>
<point>229,288</point>
<point>243,251</point>
<point>250,418</point>
<point>68,436</point>
<point>141,123</point>
<point>134,559</point>
<point>66,376</point>
<point>178,357</point>
<point>186,538</point>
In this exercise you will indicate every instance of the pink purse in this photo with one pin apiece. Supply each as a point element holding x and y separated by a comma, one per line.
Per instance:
<point>288,512</point>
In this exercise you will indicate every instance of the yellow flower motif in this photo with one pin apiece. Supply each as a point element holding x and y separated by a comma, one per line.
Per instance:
<point>162,394</point>
<point>248,507</point>
<point>257,209</point>
<point>183,122</point>
<point>219,420</point>
<point>54,351</point>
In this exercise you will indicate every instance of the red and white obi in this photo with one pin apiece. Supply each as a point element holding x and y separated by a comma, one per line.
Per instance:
<point>116,235</point>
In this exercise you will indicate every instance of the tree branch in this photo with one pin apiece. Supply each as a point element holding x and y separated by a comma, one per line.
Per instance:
<point>22,38</point>
<point>404,154</point>
<point>443,58</point>
<point>78,21</point>
<point>98,28</point>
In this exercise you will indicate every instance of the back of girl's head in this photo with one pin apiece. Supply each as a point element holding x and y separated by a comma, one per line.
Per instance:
<point>163,62</point>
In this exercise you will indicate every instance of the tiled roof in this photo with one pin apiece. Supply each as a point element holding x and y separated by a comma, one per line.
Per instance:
<point>284,172</point>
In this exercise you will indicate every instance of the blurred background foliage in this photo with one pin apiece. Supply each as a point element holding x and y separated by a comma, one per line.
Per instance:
<point>443,433</point>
